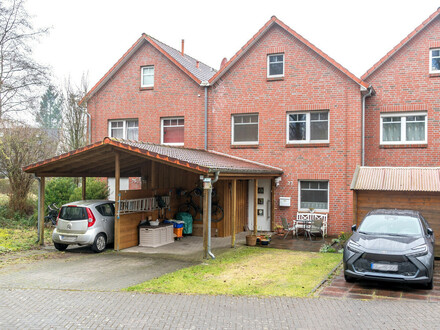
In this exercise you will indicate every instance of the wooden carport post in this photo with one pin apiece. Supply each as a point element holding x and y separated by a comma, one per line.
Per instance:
<point>117,197</point>
<point>83,188</point>
<point>205,223</point>
<point>234,212</point>
<point>255,205</point>
<point>41,207</point>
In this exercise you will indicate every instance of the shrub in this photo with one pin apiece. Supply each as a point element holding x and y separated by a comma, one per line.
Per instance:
<point>95,189</point>
<point>59,190</point>
<point>4,186</point>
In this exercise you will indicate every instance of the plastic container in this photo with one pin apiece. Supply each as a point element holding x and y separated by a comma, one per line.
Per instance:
<point>178,232</point>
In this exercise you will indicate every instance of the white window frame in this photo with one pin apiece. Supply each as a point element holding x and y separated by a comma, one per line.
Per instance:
<point>124,126</point>
<point>142,75</point>
<point>403,116</point>
<point>299,196</point>
<point>268,64</point>
<point>233,129</point>
<point>430,60</point>
<point>308,121</point>
<point>161,131</point>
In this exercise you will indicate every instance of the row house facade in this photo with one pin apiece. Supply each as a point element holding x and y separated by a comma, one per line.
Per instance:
<point>283,102</point>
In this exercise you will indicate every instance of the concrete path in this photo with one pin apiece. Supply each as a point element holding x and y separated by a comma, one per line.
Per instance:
<point>56,309</point>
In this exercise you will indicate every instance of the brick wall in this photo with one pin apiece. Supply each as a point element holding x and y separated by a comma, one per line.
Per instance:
<point>310,83</point>
<point>403,84</point>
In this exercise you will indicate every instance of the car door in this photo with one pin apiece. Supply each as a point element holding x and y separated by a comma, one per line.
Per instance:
<point>108,212</point>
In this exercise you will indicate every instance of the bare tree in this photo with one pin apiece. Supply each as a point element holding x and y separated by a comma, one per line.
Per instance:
<point>74,115</point>
<point>21,145</point>
<point>19,73</point>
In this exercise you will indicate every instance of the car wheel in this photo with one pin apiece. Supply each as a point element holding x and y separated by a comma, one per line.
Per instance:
<point>100,243</point>
<point>430,284</point>
<point>349,279</point>
<point>60,247</point>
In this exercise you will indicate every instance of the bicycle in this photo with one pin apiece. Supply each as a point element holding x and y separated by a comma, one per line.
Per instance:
<point>217,212</point>
<point>52,215</point>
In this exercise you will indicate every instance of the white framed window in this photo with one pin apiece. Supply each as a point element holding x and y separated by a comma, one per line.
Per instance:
<point>275,65</point>
<point>308,127</point>
<point>403,128</point>
<point>434,60</point>
<point>245,129</point>
<point>172,131</point>
<point>124,129</point>
<point>313,195</point>
<point>147,76</point>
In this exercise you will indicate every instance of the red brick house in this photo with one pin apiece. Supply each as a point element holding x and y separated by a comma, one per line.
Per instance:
<point>279,101</point>
<point>402,118</point>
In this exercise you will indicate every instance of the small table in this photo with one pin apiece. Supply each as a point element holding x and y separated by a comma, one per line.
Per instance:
<point>304,225</point>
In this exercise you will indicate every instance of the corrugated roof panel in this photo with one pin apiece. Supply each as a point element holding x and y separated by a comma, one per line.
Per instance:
<point>398,178</point>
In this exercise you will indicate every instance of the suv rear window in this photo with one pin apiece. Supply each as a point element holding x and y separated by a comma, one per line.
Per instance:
<point>73,213</point>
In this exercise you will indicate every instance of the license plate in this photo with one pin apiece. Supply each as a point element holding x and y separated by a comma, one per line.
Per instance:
<point>68,238</point>
<point>384,267</point>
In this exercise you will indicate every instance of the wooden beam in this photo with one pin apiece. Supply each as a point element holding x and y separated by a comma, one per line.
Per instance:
<point>41,215</point>
<point>205,223</point>
<point>234,212</point>
<point>83,188</point>
<point>117,198</point>
<point>272,205</point>
<point>255,205</point>
<point>154,175</point>
<point>355,207</point>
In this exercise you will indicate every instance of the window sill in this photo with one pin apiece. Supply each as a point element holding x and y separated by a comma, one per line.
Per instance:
<point>245,146</point>
<point>403,146</point>
<point>434,74</point>
<point>275,78</point>
<point>146,88</point>
<point>307,145</point>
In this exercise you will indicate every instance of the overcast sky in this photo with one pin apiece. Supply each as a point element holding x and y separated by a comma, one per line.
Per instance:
<point>91,35</point>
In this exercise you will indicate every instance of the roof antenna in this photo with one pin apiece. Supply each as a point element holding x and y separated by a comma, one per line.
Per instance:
<point>183,47</point>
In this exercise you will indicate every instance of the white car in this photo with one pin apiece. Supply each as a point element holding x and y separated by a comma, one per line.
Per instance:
<point>85,223</point>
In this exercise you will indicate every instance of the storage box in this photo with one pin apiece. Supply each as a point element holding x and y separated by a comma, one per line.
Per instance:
<point>285,201</point>
<point>178,232</point>
<point>156,236</point>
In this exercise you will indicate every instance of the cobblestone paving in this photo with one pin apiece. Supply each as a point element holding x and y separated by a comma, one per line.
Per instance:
<point>338,287</point>
<point>56,309</point>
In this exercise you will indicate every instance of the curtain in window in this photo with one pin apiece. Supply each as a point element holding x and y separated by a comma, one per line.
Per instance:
<point>132,130</point>
<point>391,129</point>
<point>415,128</point>
<point>314,195</point>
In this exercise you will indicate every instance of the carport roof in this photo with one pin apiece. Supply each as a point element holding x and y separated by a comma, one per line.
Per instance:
<point>97,160</point>
<point>426,179</point>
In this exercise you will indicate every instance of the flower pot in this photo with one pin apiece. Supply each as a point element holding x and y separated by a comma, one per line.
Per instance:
<point>251,240</point>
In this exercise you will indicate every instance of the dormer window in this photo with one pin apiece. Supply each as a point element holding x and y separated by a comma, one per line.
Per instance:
<point>275,65</point>
<point>434,60</point>
<point>147,76</point>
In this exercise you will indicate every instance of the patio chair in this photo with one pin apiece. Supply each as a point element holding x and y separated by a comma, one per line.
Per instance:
<point>286,227</point>
<point>315,227</point>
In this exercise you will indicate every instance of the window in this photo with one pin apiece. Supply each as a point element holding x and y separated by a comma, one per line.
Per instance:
<point>403,128</point>
<point>124,129</point>
<point>275,65</point>
<point>307,127</point>
<point>313,195</point>
<point>434,60</point>
<point>147,76</point>
<point>172,131</point>
<point>245,129</point>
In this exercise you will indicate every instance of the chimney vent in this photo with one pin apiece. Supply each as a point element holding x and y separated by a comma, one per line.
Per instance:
<point>183,47</point>
<point>197,64</point>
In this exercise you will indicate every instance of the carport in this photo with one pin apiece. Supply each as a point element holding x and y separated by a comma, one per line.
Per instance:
<point>164,171</point>
<point>413,188</point>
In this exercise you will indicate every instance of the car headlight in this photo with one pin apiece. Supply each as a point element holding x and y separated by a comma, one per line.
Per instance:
<point>418,251</point>
<point>354,247</point>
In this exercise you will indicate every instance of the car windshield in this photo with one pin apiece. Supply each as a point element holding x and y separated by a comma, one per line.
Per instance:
<point>73,213</point>
<point>391,224</point>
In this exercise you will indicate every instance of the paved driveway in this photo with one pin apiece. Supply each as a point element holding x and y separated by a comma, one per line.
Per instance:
<point>80,269</point>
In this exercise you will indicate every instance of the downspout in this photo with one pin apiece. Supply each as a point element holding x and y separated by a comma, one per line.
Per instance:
<point>209,213</point>
<point>206,85</point>
<point>89,126</point>
<point>370,92</point>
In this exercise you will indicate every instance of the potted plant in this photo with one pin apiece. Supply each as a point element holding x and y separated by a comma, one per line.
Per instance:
<point>279,230</point>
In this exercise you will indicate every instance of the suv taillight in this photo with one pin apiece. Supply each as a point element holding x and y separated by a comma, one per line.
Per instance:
<point>91,217</point>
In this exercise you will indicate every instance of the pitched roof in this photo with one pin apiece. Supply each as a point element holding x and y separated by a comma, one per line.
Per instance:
<point>98,160</point>
<point>401,44</point>
<point>397,178</point>
<point>196,70</point>
<point>275,21</point>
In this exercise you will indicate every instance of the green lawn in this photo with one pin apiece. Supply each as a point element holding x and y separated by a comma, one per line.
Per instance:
<point>17,239</point>
<point>249,271</point>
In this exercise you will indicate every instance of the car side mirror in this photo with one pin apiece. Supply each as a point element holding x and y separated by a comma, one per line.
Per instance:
<point>430,231</point>
<point>353,228</point>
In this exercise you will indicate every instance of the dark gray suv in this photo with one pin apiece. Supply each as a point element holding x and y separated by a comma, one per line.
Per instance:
<point>391,245</point>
